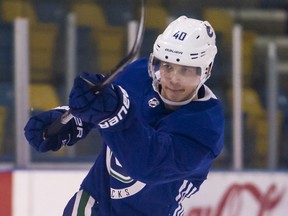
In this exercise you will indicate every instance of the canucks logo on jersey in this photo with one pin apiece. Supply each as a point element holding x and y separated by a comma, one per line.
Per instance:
<point>122,185</point>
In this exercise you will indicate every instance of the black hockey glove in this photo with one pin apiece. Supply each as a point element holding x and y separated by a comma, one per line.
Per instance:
<point>103,109</point>
<point>73,131</point>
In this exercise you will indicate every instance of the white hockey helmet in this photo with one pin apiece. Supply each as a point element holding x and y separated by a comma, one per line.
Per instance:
<point>188,42</point>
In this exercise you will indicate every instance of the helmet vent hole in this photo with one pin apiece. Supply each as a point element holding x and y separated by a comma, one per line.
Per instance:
<point>198,37</point>
<point>177,59</point>
<point>203,54</point>
<point>194,55</point>
<point>166,57</point>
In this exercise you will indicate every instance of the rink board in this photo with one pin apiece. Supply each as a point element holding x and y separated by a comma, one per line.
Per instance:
<point>45,193</point>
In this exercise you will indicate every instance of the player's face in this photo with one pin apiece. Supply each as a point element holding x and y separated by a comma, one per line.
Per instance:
<point>178,82</point>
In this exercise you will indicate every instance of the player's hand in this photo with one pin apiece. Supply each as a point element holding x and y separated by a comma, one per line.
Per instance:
<point>69,135</point>
<point>89,106</point>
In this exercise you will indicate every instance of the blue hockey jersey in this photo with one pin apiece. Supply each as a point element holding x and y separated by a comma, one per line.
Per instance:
<point>155,158</point>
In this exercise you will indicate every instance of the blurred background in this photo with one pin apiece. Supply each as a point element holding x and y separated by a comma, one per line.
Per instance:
<point>45,44</point>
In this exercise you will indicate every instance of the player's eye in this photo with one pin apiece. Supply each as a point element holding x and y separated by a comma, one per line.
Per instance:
<point>166,66</point>
<point>188,71</point>
<point>185,71</point>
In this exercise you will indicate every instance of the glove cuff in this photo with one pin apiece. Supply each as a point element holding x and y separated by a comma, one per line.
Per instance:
<point>123,110</point>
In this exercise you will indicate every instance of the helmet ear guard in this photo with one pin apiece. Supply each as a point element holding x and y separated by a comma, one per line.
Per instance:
<point>185,41</point>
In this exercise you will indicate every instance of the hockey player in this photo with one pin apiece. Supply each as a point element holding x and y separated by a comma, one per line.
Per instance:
<point>162,127</point>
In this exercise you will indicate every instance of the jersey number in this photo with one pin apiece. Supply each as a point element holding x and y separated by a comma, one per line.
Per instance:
<point>180,35</point>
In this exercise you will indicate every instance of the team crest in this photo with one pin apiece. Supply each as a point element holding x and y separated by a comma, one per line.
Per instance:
<point>123,185</point>
<point>209,31</point>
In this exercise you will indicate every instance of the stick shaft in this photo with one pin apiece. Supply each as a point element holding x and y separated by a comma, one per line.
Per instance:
<point>57,125</point>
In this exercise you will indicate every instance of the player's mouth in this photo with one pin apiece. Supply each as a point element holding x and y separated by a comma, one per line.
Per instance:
<point>174,90</point>
<point>173,94</point>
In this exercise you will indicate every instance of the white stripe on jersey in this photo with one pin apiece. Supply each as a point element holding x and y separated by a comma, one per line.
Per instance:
<point>76,204</point>
<point>89,205</point>
<point>186,190</point>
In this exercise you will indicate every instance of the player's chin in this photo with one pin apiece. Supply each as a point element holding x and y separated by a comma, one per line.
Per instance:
<point>180,95</point>
<point>175,96</point>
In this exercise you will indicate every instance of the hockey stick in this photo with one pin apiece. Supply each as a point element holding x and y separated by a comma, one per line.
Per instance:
<point>57,125</point>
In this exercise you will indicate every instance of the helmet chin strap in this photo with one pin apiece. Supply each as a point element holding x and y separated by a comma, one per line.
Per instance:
<point>174,103</point>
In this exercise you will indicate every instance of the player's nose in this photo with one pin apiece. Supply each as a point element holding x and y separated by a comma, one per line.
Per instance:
<point>175,76</point>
